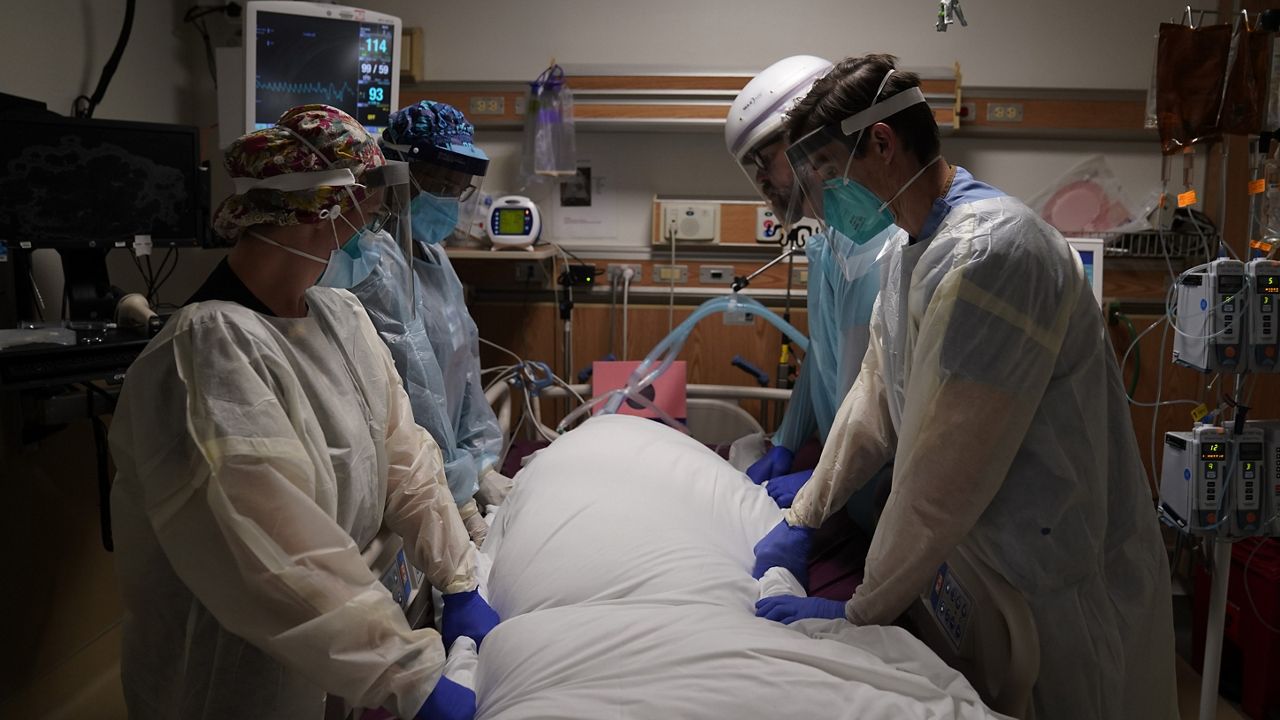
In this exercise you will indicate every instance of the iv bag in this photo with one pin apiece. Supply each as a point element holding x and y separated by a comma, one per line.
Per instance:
<point>1191,76</point>
<point>1244,104</point>
<point>549,146</point>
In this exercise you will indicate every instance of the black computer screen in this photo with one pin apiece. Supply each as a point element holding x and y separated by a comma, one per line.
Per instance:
<point>67,182</point>
<point>302,59</point>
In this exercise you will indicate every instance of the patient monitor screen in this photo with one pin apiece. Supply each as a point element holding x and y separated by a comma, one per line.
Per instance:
<point>343,63</point>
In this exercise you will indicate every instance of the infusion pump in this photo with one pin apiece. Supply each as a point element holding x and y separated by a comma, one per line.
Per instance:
<point>1218,483</point>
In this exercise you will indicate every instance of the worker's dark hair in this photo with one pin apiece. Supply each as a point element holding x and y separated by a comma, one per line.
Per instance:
<point>849,88</point>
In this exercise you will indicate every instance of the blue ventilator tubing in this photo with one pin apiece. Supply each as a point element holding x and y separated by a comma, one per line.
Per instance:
<point>666,352</point>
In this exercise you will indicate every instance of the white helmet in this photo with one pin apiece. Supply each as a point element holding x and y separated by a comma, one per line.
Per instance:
<point>756,116</point>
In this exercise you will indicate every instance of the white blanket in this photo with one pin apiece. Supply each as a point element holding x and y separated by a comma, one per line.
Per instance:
<point>621,570</point>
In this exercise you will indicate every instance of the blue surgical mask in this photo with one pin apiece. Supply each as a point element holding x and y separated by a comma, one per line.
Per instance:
<point>854,211</point>
<point>432,217</point>
<point>354,261</point>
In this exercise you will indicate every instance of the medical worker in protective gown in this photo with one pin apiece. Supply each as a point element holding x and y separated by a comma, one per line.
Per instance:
<point>262,440</point>
<point>844,277</point>
<point>991,381</point>
<point>424,321</point>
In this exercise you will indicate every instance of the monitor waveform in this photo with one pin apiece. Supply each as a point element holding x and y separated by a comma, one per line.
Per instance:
<point>331,92</point>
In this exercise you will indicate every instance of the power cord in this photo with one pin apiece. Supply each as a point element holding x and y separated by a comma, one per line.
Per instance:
<point>83,106</point>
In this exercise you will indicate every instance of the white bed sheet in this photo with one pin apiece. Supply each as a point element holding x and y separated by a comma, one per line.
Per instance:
<point>621,569</point>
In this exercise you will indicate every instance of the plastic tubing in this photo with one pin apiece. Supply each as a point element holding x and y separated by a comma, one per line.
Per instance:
<point>666,351</point>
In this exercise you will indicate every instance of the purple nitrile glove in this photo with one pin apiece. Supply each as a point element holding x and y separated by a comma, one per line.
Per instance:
<point>774,463</point>
<point>783,489</point>
<point>466,614</point>
<point>787,609</point>
<point>785,547</point>
<point>448,701</point>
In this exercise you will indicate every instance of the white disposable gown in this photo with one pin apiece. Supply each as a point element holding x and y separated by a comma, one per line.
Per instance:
<point>992,383</point>
<point>257,456</point>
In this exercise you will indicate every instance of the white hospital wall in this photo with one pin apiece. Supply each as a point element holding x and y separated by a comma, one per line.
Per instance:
<point>1009,43</point>
<point>1095,44</point>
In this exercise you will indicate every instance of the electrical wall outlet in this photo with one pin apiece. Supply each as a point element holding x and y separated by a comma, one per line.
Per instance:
<point>800,276</point>
<point>616,270</point>
<point>715,274</point>
<point>528,272</point>
<point>1004,112</point>
<point>738,317</point>
<point>668,273</point>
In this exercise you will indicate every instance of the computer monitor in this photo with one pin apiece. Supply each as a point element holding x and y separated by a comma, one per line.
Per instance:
<point>298,53</point>
<point>70,183</point>
<point>83,187</point>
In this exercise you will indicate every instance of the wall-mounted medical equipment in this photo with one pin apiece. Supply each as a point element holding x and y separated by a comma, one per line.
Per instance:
<point>296,53</point>
<point>690,222</point>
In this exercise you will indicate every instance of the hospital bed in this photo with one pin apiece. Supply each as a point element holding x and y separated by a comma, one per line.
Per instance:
<point>972,618</point>
<point>715,413</point>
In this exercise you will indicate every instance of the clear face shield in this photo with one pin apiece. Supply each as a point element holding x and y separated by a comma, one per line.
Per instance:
<point>395,182</point>
<point>394,220</point>
<point>444,190</point>
<point>821,161</point>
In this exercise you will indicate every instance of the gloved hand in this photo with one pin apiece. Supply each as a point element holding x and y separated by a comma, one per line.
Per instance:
<point>787,609</point>
<point>448,701</point>
<point>784,547</point>
<point>783,489</point>
<point>466,613</point>
<point>476,527</point>
<point>494,487</point>
<point>774,463</point>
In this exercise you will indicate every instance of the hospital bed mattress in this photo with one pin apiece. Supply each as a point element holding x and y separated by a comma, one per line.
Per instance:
<point>621,568</point>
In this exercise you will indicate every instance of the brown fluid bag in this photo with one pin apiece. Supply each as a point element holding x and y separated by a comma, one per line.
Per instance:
<point>1191,73</point>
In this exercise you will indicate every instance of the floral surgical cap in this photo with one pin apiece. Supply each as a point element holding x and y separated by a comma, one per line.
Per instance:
<point>305,139</point>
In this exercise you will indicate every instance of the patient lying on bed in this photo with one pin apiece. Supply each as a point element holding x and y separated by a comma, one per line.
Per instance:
<point>621,568</point>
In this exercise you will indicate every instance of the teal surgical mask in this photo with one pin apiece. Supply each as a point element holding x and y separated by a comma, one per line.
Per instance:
<point>432,217</point>
<point>854,211</point>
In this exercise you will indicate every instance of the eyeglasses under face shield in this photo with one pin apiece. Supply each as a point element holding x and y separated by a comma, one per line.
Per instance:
<point>765,165</point>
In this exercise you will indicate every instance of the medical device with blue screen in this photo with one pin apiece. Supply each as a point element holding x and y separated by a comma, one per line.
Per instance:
<point>1092,252</point>
<point>298,53</point>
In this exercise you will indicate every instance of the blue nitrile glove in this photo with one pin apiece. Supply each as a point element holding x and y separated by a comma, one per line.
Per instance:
<point>783,489</point>
<point>785,547</point>
<point>466,614</point>
<point>787,609</point>
<point>774,463</point>
<point>448,701</point>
